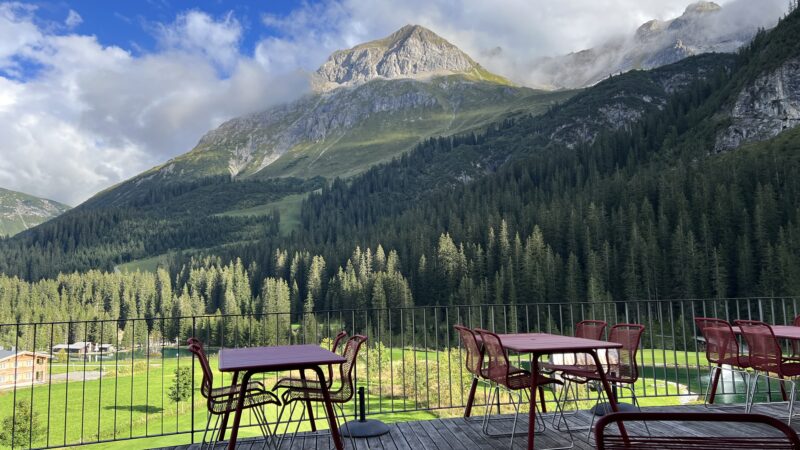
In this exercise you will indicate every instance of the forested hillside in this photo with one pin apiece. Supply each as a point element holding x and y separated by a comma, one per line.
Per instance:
<point>616,194</point>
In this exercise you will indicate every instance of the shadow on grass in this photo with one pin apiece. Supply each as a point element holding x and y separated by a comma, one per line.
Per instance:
<point>144,409</point>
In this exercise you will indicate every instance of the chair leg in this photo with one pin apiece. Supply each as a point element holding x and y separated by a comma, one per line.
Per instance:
<point>561,406</point>
<point>711,389</point>
<point>541,399</point>
<point>751,396</point>
<point>792,394</point>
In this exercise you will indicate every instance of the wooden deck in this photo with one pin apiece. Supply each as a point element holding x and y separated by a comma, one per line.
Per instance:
<point>458,433</point>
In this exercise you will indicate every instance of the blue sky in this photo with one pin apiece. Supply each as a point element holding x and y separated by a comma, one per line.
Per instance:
<point>124,23</point>
<point>93,92</point>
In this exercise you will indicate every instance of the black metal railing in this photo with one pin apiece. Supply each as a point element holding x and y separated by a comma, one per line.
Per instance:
<point>75,391</point>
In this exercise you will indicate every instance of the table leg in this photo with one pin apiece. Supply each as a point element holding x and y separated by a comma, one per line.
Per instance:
<point>237,417</point>
<point>471,398</point>
<point>612,399</point>
<point>337,438</point>
<point>224,424</point>
<point>308,404</point>
<point>534,388</point>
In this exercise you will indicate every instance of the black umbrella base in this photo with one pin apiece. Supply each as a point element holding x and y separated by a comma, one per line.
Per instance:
<point>604,408</point>
<point>363,429</point>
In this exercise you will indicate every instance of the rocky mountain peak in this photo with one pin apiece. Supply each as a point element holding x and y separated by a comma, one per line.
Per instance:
<point>412,51</point>
<point>701,7</point>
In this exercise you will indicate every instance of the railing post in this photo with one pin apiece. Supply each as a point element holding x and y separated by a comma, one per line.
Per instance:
<point>193,382</point>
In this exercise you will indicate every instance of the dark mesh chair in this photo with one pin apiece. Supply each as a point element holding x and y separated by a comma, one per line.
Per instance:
<point>208,390</point>
<point>509,378</point>
<point>765,357</point>
<point>311,390</point>
<point>621,368</point>
<point>773,433</point>
<point>473,363</point>
<point>722,349</point>
<point>586,329</point>
<point>223,401</point>
<point>288,382</point>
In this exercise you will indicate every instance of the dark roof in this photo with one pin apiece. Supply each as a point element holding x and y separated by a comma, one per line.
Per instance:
<point>6,353</point>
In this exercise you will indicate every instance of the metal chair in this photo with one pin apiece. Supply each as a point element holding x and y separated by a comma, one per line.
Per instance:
<point>473,364</point>
<point>223,401</point>
<point>766,358</point>
<point>207,390</point>
<point>783,437</point>
<point>586,329</point>
<point>722,348</point>
<point>288,382</point>
<point>622,370</point>
<point>312,392</point>
<point>509,378</point>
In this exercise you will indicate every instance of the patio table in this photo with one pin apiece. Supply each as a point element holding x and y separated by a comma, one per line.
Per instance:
<point>278,359</point>
<point>538,344</point>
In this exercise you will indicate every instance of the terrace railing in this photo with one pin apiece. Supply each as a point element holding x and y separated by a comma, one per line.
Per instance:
<point>411,366</point>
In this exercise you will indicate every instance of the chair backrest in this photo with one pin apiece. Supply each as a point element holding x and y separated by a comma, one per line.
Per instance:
<point>722,347</point>
<point>208,375</point>
<point>590,329</point>
<point>497,366</point>
<point>624,367</point>
<point>474,362</point>
<point>351,349</point>
<point>764,350</point>
<point>776,434</point>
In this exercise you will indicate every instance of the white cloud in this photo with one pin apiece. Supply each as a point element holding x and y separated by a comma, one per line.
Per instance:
<point>505,36</point>
<point>198,33</point>
<point>95,115</point>
<point>73,19</point>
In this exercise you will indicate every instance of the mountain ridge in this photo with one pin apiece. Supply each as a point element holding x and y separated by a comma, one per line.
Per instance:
<point>20,211</point>
<point>704,27</point>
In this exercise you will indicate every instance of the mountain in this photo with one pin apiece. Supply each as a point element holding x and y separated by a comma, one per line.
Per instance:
<point>410,52</point>
<point>704,27</point>
<point>20,211</point>
<point>621,179</point>
<point>371,103</point>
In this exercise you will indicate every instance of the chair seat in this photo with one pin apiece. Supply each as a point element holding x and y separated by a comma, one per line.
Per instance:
<point>288,383</point>
<point>742,362</point>
<point>790,369</point>
<point>516,378</point>
<point>253,398</point>
<point>235,389</point>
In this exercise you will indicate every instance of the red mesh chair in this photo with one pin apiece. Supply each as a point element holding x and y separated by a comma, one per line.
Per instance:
<point>473,363</point>
<point>513,380</point>
<point>223,401</point>
<point>586,329</point>
<point>208,390</point>
<point>288,382</point>
<point>312,391</point>
<point>766,358</point>
<point>621,368</point>
<point>722,348</point>
<point>775,435</point>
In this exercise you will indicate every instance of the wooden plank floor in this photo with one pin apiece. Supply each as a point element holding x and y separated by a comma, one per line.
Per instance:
<point>458,433</point>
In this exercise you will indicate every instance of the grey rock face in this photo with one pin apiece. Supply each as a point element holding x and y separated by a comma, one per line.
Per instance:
<point>764,109</point>
<point>257,140</point>
<point>411,52</point>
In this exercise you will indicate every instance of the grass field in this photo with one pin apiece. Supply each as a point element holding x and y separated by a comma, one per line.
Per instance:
<point>288,207</point>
